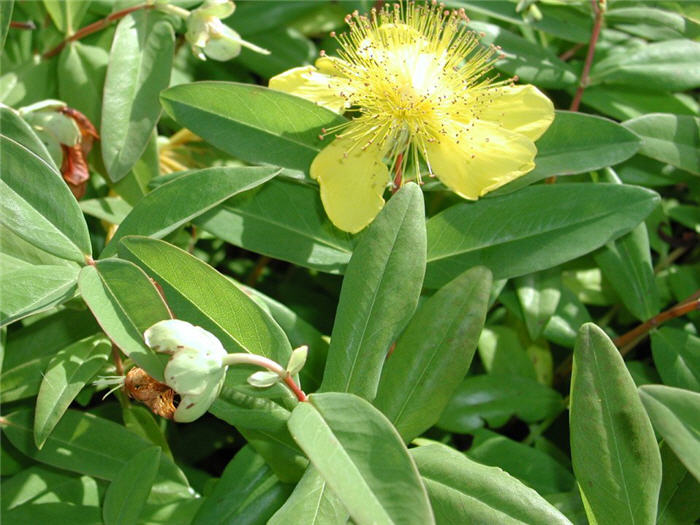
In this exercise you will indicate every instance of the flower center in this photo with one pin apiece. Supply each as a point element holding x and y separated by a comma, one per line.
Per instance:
<point>406,72</point>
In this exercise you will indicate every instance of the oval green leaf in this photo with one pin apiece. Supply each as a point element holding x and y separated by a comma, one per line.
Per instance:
<point>674,412</point>
<point>285,220</point>
<point>139,68</point>
<point>38,206</point>
<point>202,296</point>
<point>362,458</point>
<point>677,357</point>
<point>177,202</point>
<point>495,399</point>
<point>464,491</point>
<point>674,139</point>
<point>125,303</point>
<point>379,295</point>
<point>507,234</point>
<point>433,354</point>
<point>250,122</point>
<point>613,448</point>
<point>127,494</point>
<point>68,372</point>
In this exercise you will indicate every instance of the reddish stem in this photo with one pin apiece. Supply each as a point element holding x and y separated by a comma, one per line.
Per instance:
<point>94,27</point>
<point>589,56</point>
<point>625,341</point>
<point>566,55</point>
<point>301,396</point>
<point>22,25</point>
<point>398,174</point>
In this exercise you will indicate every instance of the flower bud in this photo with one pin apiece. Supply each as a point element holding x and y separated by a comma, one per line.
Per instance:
<point>195,371</point>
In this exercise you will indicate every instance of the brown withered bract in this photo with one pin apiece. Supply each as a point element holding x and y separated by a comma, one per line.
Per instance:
<point>159,397</point>
<point>74,167</point>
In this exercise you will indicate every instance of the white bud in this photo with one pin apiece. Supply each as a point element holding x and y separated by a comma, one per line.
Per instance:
<point>297,360</point>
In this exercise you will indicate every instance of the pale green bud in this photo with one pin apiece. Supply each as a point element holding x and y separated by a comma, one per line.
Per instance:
<point>195,371</point>
<point>264,379</point>
<point>297,360</point>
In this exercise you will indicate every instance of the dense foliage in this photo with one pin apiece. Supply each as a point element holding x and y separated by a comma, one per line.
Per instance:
<point>528,356</point>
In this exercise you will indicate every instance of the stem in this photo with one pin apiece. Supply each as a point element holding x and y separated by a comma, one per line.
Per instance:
<point>598,9</point>
<point>629,340</point>
<point>94,27</point>
<point>272,366</point>
<point>540,429</point>
<point>23,25</point>
<point>117,358</point>
<point>566,55</point>
<point>257,271</point>
<point>398,174</point>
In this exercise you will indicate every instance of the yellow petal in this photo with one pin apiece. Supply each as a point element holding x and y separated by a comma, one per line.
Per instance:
<point>309,83</point>
<point>352,185</point>
<point>523,109</point>
<point>472,161</point>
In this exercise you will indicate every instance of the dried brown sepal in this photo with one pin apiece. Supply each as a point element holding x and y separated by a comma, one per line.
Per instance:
<point>74,169</point>
<point>88,132</point>
<point>160,398</point>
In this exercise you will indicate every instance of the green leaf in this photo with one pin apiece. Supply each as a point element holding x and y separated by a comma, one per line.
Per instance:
<point>58,513</point>
<point>125,303</point>
<point>665,66</point>
<point>518,459</point>
<point>202,296</point>
<point>179,201</point>
<point>677,357</point>
<point>613,449</point>
<point>531,62</point>
<point>127,494</point>
<point>651,23</point>
<point>362,458</point>
<point>5,18</point>
<point>84,443</point>
<point>464,491</point>
<point>674,412</point>
<point>247,492</point>
<point>30,349</point>
<point>379,295</point>
<point>31,289</point>
<point>578,143</point>
<point>563,21</point>
<point>16,128</point>
<point>433,354</point>
<point>571,313</point>
<point>311,503</point>
<point>139,68</point>
<point>38,206</point>
<point>68,372</point>
<point>678,499</point>
<point>502,353</point>
<point>284,220</point>
<point>626,264</point>
<point>508,234</point>
<point>39,484</point>
<point>82,69</point>
<point>538,295</point>
<point>250,122</point>
<point>288,48</point>
<point>67,14</point>
<point>674,139</point>
<point>110,209</point>
<point>495,399</point>
<point>626,102</point>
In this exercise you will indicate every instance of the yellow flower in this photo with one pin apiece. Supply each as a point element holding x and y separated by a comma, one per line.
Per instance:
<point>418,82</point>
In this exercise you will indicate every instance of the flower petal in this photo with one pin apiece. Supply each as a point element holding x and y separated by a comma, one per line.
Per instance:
<point>309,83</point>
<point>472,161</point>
<point>523,109</point>
<point>192,407</point>
<point>352,184</point>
